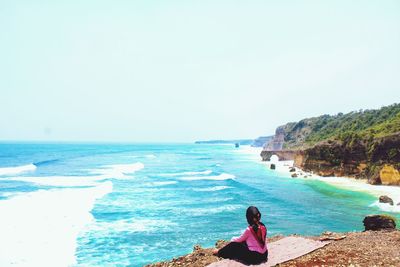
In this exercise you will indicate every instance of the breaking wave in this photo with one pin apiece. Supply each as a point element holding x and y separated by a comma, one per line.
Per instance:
<point>41,228</point>
<point>386,206</point>
<point>221,177</point>
<point>212,189</point>
<point>117,171</point>
<point>17,170</point>
<point>207,172</point>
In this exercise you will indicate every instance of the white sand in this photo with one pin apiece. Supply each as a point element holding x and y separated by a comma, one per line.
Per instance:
<point>347,183</point>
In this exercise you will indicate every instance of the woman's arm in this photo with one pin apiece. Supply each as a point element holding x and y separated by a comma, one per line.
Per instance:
<point>243,237</point>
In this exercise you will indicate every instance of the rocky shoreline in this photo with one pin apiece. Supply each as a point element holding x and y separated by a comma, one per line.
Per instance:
<point>369,248</point>
<point>362,145</point>
<point>387,196</point>
<point>376,161</point>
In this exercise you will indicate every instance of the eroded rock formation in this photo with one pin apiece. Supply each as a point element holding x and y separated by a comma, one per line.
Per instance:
<point>379,222</point>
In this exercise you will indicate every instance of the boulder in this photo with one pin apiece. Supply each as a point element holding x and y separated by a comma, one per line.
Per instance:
<point>292,169</point>
<point>379,222</point>
<point>294,175</point>
<point>272,167</point>
<point>389,175</point>
<point>386,199</point>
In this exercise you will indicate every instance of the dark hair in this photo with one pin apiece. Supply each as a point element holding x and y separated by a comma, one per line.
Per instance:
<point>251,214</point>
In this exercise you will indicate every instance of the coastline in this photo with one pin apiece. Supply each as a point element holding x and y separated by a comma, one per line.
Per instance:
<point>378,248</point>
<point>346,183</point>
<point>359,248</point>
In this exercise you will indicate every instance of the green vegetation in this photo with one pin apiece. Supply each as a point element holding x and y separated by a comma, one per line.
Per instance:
<point>349,128</point>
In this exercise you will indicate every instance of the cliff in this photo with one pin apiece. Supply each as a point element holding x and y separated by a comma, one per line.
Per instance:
<point>377,160</point>
<point>261,141</point>
<point>369,248</point>
<point>364,144</point>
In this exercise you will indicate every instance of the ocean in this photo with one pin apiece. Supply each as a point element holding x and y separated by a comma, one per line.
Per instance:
<point>75,204</point>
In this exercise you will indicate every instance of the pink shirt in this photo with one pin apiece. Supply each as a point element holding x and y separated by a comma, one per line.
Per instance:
<point>251,241</point>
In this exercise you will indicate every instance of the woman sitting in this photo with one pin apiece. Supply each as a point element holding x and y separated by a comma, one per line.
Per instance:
<point>251,246</point>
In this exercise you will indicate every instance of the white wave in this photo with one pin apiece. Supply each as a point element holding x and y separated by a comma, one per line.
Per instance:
<point>161,183</point>
<point>119,170</point>
<point>17,170</point>
<point>112,172</point>
<point>221,177</point>
<point>386,207</point>
<point>68,181</point>
<point>211,189</point>
<point>41,228</point>
<point>207,172</point>
<point>347,183</point>
<point>151,156</point>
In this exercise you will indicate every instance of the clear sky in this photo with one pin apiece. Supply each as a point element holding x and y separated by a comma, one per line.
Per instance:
<point>188,70</point>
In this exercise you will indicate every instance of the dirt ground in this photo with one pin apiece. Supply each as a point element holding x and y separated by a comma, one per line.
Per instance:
<point>371,248</point>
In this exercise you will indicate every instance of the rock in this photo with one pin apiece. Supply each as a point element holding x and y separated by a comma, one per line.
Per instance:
<point>272,167</point>
<point>294,175</point>
<point>389,175</point>
<point>386,199</point>
<point>196,247</point>
<point>292,169</point>
<point>379,222</point>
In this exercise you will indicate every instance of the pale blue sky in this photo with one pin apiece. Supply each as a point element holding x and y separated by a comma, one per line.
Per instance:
<point>188,70</point>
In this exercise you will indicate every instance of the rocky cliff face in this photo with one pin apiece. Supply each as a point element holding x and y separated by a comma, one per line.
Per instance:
<point>377,160</point>
<point>363,144</point>
<point>276,142</point>
<point>262,141</point>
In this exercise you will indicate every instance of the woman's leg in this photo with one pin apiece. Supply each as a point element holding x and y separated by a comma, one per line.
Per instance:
<point>233,250</point>
<point>256,258</point>
<point>240,251</point>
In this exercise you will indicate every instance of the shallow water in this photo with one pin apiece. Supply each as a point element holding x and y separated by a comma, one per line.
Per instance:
<point>132,204</point>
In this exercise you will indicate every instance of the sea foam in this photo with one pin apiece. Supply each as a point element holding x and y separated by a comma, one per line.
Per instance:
<point>62,181</point>
<point>41,228</point>
<point>221,177</point>
<point>386,206</point>
<point>206,172</point>
<point>17,170</point>
<point>118,170</point>
<point>212,189</point>
<point>160,183</point>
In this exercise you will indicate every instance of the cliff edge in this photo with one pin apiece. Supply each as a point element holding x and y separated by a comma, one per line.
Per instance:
<point>364,144</point>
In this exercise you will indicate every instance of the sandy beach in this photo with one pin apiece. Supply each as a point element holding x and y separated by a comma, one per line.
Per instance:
<point>348,183</point>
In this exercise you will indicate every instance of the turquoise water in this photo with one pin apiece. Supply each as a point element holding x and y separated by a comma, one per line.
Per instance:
<point>133,204</point>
